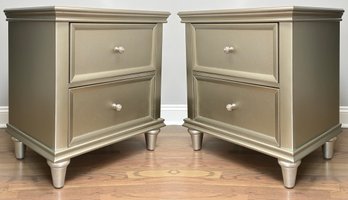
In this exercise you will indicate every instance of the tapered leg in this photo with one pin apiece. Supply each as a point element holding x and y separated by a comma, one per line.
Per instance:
<point>197,138</point>
<point>19,148</point>
<point>151,138</point>
<point>289,171</point>
<point>58,171</point>
<point>328,148</point>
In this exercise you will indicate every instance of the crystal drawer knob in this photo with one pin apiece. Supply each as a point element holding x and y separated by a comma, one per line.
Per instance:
<point>116,106</point>
<point>119,49</point>
<point>228,50</point>
<point>230,107</point>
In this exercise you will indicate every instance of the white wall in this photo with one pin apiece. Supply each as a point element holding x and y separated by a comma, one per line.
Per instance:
<point>174,81</point>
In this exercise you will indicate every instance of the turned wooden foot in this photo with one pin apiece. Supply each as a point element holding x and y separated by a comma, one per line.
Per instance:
<point>151,138</point>
<point>58,171</point>
<point>328,148</point>
<point>19,148</point>
<point>197,138</point>
<point>289,171</point>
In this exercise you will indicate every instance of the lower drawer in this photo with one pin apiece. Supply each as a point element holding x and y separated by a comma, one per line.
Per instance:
<point>248,110</point>
<point>116,106</point>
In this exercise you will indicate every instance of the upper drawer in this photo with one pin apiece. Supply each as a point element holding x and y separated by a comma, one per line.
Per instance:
<point>107,50</point>
<point>247,51</point>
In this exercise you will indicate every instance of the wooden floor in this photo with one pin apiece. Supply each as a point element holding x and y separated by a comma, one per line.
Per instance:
<point>173,171</point>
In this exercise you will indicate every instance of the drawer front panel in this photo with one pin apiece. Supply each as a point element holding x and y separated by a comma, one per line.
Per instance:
<point>247,51</point>
<point>104,50</point>
<point>246,109</point>
<point>103,106</point>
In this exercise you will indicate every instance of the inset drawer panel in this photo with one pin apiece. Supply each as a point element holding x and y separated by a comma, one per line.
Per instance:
<point>248,51</point>
<point>105,50</point>
<point>243,108</point>
<point>99,107</point>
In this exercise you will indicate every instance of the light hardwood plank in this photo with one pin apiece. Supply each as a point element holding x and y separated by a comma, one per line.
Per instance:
<point>220,170</point>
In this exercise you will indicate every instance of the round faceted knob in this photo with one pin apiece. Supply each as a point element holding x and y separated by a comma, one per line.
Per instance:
<point>228,49</point>
<point>231,106</point>
<point>116,106</point>
<point>119,49</point>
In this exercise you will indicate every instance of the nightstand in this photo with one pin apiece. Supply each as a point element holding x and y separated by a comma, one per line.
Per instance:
<point>81,79</point>
<point>266,79</point>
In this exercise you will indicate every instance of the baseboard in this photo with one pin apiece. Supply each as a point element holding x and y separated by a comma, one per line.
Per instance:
<point>3,116</point>
<point>344,116</point>
<point>173,114</point>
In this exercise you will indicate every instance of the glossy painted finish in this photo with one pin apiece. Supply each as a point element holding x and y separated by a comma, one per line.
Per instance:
<point>272,100</point>
<point>70,91</point>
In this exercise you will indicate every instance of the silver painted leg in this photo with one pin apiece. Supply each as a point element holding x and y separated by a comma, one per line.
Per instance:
<point>58,171</point>
<point>197,138</point>
<point>151,138</point>
<point>289,171</point>
<point>19,148</point>
<point>328,148</point>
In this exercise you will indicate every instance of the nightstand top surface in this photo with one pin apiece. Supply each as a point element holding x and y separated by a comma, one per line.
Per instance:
<point>285,13</point>
<point>75,14</point>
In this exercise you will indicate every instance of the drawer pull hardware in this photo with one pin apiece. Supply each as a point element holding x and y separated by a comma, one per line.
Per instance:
<point>230,107</point>
<point>228,50</point>
<point>116,106</point>
<point>119,49</point>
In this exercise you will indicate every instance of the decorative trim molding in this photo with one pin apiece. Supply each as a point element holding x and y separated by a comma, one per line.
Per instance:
<point>275,14</point>
<point>173,114</point>
<point>344,116</point>
<point>76,14</point>
<point>3,116</point>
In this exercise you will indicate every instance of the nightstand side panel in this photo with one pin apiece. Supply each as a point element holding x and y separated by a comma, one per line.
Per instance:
<point>316,79</point>
<point>32,79</point>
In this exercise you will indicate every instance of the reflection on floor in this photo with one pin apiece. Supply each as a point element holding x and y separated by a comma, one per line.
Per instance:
<point>220,170</point>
